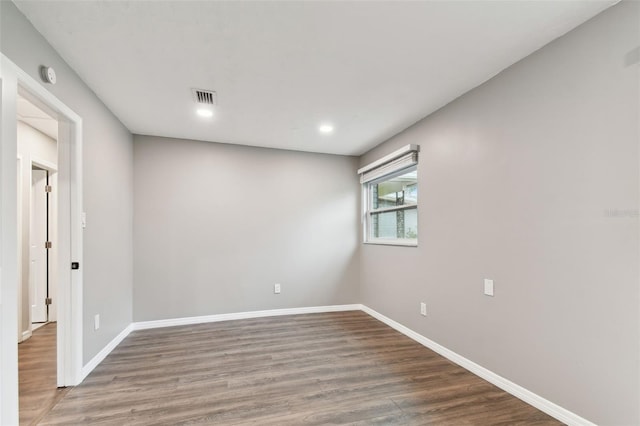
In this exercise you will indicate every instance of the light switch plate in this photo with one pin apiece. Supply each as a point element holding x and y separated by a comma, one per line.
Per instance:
<point>488,287</point>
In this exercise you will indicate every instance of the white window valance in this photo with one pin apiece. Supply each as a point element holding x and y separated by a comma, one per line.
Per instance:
<point>403,158</point>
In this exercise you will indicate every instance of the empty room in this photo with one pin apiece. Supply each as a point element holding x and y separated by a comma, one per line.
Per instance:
<point>320,212</point>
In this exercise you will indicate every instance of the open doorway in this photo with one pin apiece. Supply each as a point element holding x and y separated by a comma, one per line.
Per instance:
<point>37,217</point>
<point>15,82</point>
<point>37,147</point>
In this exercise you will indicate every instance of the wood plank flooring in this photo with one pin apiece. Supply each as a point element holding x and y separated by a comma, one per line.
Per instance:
<point>317,369</point>
<point>37,374</point>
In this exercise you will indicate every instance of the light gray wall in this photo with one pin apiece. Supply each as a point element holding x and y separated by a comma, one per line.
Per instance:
<point>108,183</point>
<point>217,225</point>
<point>532,180</point>
<point>31,143</point>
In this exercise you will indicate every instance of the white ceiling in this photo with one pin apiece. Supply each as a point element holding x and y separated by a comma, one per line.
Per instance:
<point>30,114</point>
<point>280,69</point>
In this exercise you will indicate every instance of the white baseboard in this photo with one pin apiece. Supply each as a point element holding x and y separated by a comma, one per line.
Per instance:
<point>143,325</point>
<point>26,335</point>
<point>100,356</point>
<point>518,391</point>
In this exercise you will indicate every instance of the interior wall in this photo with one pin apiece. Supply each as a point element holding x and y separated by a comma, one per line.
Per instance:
<point>108,183</point>
<point>532,180</point>
<point>216,226</point>
<point>32,144</point>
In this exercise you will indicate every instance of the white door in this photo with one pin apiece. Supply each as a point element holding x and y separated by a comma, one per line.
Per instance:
<point>38,252</point>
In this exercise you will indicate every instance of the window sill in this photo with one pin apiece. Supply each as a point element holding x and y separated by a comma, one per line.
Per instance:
<point>392,243</point>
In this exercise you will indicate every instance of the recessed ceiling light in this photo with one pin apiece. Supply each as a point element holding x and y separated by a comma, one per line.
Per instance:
<point>326,128</point>
<point>204,112</point>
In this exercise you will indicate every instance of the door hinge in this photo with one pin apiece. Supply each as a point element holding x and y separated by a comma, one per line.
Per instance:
<point>48,301</point>
<point>47,244</point>
<point>47,188</point>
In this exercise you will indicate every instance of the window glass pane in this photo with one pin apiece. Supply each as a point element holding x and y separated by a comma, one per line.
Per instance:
<point>392,211</point>
<point>398,224</point>
<point>397,191</point>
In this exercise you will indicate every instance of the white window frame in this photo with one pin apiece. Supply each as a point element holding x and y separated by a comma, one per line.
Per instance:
<point>395,164</point>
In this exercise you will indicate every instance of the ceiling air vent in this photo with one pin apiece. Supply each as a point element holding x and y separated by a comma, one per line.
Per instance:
<point>204,97</point>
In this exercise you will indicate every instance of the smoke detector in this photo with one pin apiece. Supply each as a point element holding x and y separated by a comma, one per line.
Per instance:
<point>48,74</point>
<point>204,97</point>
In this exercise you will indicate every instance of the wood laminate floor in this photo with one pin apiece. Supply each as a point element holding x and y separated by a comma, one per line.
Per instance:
<point>37,374</point>
<point>315,369</point>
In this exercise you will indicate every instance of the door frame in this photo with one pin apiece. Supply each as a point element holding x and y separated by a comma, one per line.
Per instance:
<point>38,228</point>
<point>52,265</point>
<point>22,334</point>
<point>69,200</point>
<point>53,235</point>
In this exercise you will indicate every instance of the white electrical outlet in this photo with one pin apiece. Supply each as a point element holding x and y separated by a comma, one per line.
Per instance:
<point>488,287</point>
<point>423,309</point>
<point>96,322</point>
<point>276,288</point>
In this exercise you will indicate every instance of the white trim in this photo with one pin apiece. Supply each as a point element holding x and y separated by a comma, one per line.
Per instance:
<point>21,325</point>
<point>144,325</point>
<point>397,242</point>
<point>8,246</point>
<point>390,157</point>
<point>44,164</point>
<point>518,391</point>
<point>100,356</point>
<point>72,131</point>
<point>54,265</point>
<point>393,208</point>
<point>26,334</point>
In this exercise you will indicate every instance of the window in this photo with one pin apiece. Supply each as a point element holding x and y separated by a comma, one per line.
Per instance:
<point>390,198</point>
